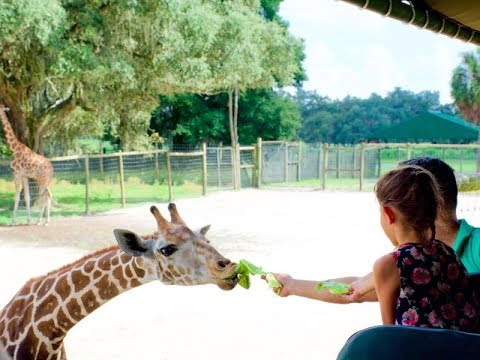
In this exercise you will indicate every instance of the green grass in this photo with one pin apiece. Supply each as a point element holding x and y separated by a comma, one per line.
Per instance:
<point>70,197</point>
<point>144,185</point>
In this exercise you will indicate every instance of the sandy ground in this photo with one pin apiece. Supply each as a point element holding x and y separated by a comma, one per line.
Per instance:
<point>309,234</point>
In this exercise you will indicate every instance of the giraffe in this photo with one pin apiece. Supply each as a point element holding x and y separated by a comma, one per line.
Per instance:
<point>28,164</point>
<point>35,322</point>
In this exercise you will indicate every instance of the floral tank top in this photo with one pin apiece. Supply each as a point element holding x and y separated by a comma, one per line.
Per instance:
<point>435,289</point>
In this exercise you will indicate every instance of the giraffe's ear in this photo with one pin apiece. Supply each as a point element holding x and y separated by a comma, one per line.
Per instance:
<point>131,243</point>
<point>204,230</point>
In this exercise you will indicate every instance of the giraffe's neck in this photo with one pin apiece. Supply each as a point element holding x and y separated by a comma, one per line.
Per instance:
<point>12,140</point>
<point>40,315</point>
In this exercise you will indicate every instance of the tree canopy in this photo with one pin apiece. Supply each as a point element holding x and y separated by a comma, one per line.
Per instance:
<point>190,118</point>
<point>465,86</point>
<point>80,66</point>
<point>465,90</point>
<point>353,119</point>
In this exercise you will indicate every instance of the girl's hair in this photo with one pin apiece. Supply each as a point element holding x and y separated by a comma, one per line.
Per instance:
<point>414,192</point>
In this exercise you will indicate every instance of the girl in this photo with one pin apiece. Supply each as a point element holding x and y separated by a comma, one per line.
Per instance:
<point>422,283</point>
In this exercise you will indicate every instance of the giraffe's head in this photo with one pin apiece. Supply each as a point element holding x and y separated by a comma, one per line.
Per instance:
<point>179,255</point>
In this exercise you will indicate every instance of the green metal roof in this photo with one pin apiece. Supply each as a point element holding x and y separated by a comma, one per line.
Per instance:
<point>430,126</point>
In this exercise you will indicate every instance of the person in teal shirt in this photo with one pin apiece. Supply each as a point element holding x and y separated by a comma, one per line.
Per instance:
<point>458,234</point>
<point>467,246</point>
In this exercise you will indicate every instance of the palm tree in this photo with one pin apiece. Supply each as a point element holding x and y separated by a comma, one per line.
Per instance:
<point>465,90</point>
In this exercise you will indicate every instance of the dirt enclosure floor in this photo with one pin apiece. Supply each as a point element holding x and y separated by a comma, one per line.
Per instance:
<point>309,234</point>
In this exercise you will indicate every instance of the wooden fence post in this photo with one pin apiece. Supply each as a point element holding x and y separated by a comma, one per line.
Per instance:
<point>169,175</point>
<point>232,160</point>
<point>353,162</point>
<point>320,161</point>
<point>409,155</point>
<point>461,160</point>
<point>87,185</point>
<point>299,163</point>
<point>362,164</point>
<point>219,166</point>
<point>238,166</point>
<point>324,166</point>
<point>379,162</point>
<point>204,169</point>
<point>258,163</point>
<point>100,159</point>
<point>122,179</point>
<point>157,173</point>
<point>337,160</point>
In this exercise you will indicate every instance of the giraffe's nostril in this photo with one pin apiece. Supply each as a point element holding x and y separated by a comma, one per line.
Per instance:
<point>222,264</point>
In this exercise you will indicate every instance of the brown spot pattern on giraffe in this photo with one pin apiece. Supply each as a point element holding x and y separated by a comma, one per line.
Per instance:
<point>52,304</point>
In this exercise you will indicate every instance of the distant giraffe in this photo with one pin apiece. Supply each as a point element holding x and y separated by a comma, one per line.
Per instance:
<point>35,322</point>
<point>28,164</point>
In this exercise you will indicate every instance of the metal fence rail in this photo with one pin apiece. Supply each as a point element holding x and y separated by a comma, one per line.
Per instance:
<point>101,182</point>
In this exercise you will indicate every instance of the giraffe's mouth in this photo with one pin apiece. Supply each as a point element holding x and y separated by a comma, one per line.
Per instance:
<point>229,282</point>
<point>232,279</point>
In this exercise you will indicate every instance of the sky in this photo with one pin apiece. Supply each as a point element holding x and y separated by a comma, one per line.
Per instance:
<point>350,51</point>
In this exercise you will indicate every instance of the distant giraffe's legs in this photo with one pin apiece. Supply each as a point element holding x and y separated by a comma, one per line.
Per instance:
<point>48,199</point>
<point>45,201</point>
<point>26,196</point>
<point>18,190</point>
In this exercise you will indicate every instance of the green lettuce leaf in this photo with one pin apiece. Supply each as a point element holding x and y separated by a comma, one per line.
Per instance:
<point>245,268</point>
<point>272,281</point>
<point>334,287</point>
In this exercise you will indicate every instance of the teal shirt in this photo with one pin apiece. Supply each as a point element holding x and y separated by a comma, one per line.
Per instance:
<point>467,246</point>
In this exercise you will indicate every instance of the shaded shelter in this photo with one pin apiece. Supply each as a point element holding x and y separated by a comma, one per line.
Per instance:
<point>430,126</point>
<point>459,19</point>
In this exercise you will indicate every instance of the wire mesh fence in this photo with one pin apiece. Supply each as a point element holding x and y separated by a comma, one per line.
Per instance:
<point>219,168</point>
<point>92,183</point>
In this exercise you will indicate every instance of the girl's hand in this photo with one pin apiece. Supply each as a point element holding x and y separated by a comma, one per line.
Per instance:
<point>359,288</point>
<point>286,281</point>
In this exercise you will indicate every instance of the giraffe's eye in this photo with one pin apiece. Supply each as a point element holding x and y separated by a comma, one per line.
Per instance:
<point>168,250</point>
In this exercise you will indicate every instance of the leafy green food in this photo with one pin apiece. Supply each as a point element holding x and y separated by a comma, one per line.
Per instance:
<point>334,287</point>
<point>245,268</point>
<point>272,281</point>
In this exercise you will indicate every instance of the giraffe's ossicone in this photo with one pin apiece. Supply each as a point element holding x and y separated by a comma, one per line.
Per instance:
<point>34,323</point>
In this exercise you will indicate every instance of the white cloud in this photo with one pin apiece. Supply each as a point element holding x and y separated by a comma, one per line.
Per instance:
<point>356,52</point>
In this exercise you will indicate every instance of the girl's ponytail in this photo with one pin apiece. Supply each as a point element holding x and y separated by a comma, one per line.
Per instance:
<point>414,192</point>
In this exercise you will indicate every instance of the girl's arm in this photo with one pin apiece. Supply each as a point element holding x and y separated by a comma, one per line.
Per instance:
<point>306,288</point>
<point>387,285</point>
<point>363,289</point>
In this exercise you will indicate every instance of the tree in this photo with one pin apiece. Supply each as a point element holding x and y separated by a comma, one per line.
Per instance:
<point>100,64</point>
<point>252,54</point>
<point>352,119</point>
<point>191,118</point>
<point>465,90</point>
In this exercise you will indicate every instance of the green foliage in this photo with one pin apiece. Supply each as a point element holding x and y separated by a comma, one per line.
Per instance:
<point>95,65</point>
<point>245,268</point>
<point>190,119</point>
<point>270,9</point>
<point>4,149</point>
<point>352,119</point>
<point>469,184</point>
<point>465,86</point>
<point>333,287</point>
<point>70,197</point>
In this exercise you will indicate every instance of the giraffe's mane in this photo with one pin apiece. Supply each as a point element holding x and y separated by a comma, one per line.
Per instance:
<point>76,262</point>
<point>83,258</point>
